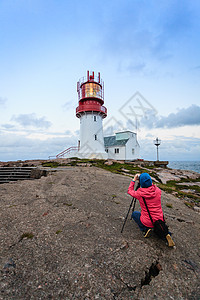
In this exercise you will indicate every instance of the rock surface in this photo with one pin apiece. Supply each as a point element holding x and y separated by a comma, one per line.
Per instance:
<point>177,175</point>
<point>60,239</point>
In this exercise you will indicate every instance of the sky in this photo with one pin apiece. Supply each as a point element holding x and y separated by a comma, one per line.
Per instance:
<point>148,54</point>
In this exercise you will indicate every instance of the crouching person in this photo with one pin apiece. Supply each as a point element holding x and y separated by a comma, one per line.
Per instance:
<point>149,196</point>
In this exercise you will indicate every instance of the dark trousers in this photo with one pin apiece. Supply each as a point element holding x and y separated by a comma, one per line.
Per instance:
<point>136,217</point>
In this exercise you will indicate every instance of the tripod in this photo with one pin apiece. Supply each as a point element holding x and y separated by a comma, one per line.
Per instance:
<point>136,186</point>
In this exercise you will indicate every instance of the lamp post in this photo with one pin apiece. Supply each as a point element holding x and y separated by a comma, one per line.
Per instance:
<point>157,143</point>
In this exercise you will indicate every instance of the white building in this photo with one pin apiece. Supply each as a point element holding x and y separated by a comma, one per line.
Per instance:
<point>122,146</point>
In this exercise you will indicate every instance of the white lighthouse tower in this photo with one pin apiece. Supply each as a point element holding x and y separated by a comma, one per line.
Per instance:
<point>91,113</point>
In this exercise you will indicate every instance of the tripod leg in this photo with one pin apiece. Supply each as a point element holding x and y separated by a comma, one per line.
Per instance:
<point>133,207</point>
<point>135,188</point>
<point>127,215</point>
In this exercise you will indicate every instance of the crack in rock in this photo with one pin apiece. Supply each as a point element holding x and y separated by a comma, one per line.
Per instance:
<point>153,272</point>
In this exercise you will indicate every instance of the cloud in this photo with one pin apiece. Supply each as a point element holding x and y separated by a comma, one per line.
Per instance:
<point>18,146</point>
<point>136,67</point>
<point>173,23</point>
<point>68,105</point>
<point>178,148</point>
<point>3,101</point>
<point>141,34</point>
<point>196,68</point>
<point>8,126</point>
<point>21,147</point>
<point>27,120</point>
<point>185,116</point>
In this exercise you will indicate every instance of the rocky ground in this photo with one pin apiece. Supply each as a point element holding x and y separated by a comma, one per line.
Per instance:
<point>61,238</point>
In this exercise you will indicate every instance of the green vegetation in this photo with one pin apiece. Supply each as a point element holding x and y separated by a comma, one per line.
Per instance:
<point>189,204</point>
<point>73,163</point>
<point>191,191</point>
<point>166,188</point>
<point>133,168</point>
<point>115,167</point>
<point>67,204</point>
<point>178,188</point>
<point>193,197</point>
<point>171,186</point>
<point>169,205</point>
<point>117,202</point>
<point>27,235</point>
<point>51,164</point>
<point>181,186</point>
<point>118,167</point>
<point>58,231</point>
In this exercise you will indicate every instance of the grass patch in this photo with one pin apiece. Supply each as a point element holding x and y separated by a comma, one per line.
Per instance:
<point>154,175</point>
<point>67,204</point>
<point>174,188</point>
<point>196,188</point>
<point>118,167</point>
<point>179,185</point>
<point>51,164</point>
<point>27,235</point>
<point>58,231</point>
<point>189,204</point>
<point>73,163</point>
<point>189,195</point>
<point>169,205</point>
<point>166,188</point>
<point>133,169</point>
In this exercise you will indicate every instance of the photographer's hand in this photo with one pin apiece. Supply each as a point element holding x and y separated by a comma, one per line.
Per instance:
<point>136,177</point>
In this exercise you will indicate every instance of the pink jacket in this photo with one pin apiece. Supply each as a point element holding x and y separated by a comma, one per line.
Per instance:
<point>152,196</point>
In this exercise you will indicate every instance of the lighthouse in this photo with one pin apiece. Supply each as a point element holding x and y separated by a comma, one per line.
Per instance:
<point>91,113</point>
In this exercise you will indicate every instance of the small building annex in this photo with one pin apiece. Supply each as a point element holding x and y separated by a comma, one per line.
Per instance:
<point>122,146</point>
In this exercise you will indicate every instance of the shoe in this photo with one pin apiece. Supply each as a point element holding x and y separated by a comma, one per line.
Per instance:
<point>147,233</point>
<point>170,241</point>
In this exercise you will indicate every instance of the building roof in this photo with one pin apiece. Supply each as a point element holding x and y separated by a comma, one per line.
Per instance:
<point>110,141</point>
<point>122,131</point>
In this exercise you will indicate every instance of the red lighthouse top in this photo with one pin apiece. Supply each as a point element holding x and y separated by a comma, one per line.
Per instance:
<point>91,95</point>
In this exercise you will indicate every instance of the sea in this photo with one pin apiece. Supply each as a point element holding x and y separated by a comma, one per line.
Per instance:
<point>185,165</point>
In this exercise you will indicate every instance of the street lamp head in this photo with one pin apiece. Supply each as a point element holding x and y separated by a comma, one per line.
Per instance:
<point>157,142</point>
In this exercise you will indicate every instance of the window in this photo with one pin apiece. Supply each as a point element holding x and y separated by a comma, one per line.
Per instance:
<point>133,150</point>
<point>95,137</point>
<point>106,150</point>
<point>116,150</point>
<point>95,118</point>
